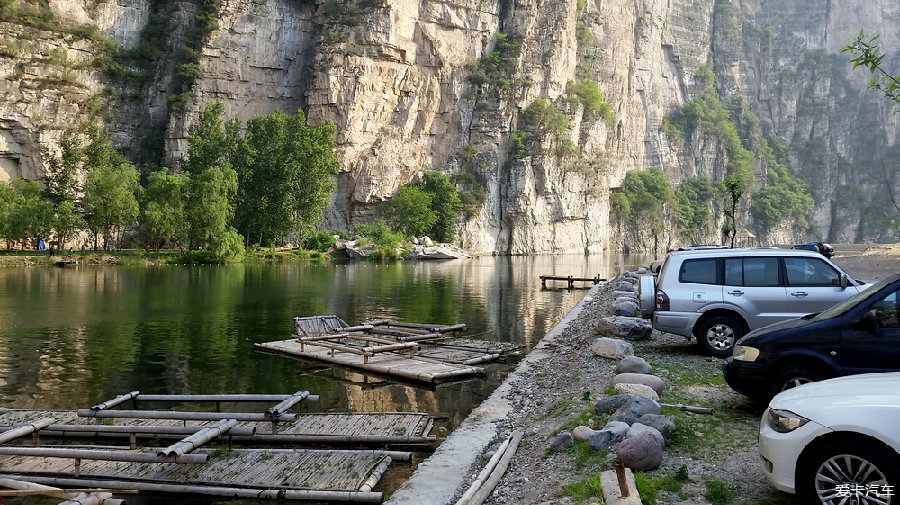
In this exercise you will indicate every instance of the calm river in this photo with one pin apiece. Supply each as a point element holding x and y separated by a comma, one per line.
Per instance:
<point>73,337</point>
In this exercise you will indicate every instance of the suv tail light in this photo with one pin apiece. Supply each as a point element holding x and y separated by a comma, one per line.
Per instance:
<point>662,300</point>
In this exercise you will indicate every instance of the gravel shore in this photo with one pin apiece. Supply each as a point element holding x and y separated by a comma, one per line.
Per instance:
<point>718,451</point>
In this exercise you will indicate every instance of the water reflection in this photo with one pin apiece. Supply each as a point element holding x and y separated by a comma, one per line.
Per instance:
<point>72,337</point>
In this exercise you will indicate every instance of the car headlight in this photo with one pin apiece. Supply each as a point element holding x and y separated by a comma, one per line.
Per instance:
<point>784,421</point>
<point>745,353</point>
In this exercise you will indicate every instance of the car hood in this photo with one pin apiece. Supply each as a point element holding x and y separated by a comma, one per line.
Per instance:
<point>781,325</point>
<point>849,391</point>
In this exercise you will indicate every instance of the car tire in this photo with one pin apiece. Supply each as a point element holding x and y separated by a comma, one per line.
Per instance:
<point>647,295</point>
<point>792,376</point>
<point>846,462</point>
<point>718,334</point>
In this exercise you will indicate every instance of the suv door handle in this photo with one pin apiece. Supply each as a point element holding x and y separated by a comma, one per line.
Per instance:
<point>799,294</point>
<point>736,292</point>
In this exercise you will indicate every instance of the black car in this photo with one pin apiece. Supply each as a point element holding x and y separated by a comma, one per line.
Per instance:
<point>859,335</point>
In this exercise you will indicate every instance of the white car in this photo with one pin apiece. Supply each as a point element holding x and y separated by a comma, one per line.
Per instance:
<point>836,441</point>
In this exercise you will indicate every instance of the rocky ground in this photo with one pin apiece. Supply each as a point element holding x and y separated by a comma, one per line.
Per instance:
<point>711,458</point>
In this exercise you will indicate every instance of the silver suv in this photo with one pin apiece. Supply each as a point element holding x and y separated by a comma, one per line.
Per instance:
<point>720,295</point>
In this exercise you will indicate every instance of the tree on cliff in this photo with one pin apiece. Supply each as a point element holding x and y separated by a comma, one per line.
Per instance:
<point>284,170</point>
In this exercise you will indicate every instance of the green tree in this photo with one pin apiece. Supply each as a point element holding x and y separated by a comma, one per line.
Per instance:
<point>867,54</point>
<point>692,213</point>
<point>63,187</point>
<point>109,201</point>
<point>409,211</point>
<point>648,191</point>
<point>210,183</point>
<point>734,189</point>
<point>445,203</point>
<point>26,215</point>
<point>284,172</point>
<point>162,207</point>
<point>67,221</point>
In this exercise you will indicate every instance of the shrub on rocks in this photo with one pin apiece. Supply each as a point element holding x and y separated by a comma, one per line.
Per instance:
<point>652,381</point>
<point>637,390</point>
<point>640,452</point>
<point>610,404</point>
<point>631,328</point>
<point>633,364</point>
<point>634,408</point>
<point>612,348</point>
<point>664,424</point>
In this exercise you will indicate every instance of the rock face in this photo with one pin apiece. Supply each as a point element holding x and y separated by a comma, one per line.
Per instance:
<point>394,76</point>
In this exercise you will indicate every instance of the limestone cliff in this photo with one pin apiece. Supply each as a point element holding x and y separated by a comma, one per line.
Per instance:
<point>395,77</point>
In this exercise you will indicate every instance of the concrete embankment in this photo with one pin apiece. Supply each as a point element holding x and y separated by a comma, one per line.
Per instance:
<point>446,473</point>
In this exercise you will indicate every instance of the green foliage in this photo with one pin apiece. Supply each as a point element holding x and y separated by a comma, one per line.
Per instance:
<point>583,33</point>
<point>619,206</point>
<point>62,185</point>
<point>543,118</point>
<point>162,207</point>
<point>109,202</point>
<point>409,211</point>
<point>23,214</point>
<point>645,488</point>
<point>517,149</point>
<point>646,190</point>
<point>445,203</point>
<point>867,54</point>
<point>582,490</point>
<point>692,210</point>
<point>386,242</point>
<point>588,94</point>
<point>734,189</point>
<point>773,204</point>
<point>208,207</point>
<point>497,68</point>
<point>719,493</point>
<point>565,148</point>
<point>319,241</point>
<point>284,172</point>
<point>227,247</point>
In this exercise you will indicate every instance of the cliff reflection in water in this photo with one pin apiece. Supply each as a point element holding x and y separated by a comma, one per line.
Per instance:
<point>72,337</point>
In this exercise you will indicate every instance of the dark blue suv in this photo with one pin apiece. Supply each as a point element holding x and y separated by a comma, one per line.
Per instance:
<point>858,335</point>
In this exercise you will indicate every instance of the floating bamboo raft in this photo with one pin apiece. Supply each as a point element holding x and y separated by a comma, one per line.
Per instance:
<point>186,466</point>
<point>413,351</point>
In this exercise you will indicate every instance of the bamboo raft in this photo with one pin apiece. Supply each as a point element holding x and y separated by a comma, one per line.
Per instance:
<point>570,281</point>
<point>187,467</point>
<point>412,351</point>
<point>405,429</point>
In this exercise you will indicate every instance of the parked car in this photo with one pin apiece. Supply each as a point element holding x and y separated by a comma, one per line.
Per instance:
<point>819,247</point>
<point>718,295</point>
<point>859,335</point>
<point>836,441</point>
<point>657,263</point>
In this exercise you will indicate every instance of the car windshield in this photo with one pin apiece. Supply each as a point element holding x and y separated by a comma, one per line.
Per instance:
<point>849,303</point>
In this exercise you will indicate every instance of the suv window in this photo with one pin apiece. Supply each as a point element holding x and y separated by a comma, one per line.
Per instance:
<point>700,271</point>
<point>810,272</point>
<point>752,272</point>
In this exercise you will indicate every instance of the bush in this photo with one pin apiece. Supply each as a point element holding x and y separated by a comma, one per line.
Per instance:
<point>319,241</point>
<point>227,248</point>
<point>409,211</point>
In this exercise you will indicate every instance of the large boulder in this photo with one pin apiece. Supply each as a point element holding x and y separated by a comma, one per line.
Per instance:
<point>582,433</point>
<point>436,252</point>
<point>633,364</point>
<point>652,381</point>
<point>614,348</point>
<point>625,286</point>
<point>562,441</point>
<point>610,404</point>
<point>636,390</point>
<point>625,308</point>
<point>663,424</point>
<point>637,428</point>
<point>611,434</point>
<point>631,328</point>
<point>634,408</point>
<point>640,452</point>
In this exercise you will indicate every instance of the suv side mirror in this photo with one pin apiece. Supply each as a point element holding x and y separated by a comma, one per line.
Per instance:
<point>845,281</point>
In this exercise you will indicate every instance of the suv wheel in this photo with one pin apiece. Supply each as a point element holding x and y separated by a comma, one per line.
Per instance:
<point>850,465</point>
<point>647,295</point>
<point>718,334</point>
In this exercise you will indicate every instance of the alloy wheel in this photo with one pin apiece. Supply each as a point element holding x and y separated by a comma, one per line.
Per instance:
<point>847,479</point>
<point>720,336</point>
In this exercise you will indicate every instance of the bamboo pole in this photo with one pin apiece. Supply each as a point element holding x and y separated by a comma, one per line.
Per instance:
<point>93,499</point>
<point>185,416</point>
<point>79,454</point>
<point>115,401</point>
<point>99,429</point>
<point>26,429</point>
<point>485,472</point>
<point>258,493</point>
<point>391,347</point>
<point>197,439</point>
<point>424,336</point>
<point>234,398</point>
<point>488,486</point>
<point>286,404</point>
<point>376,474</point>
